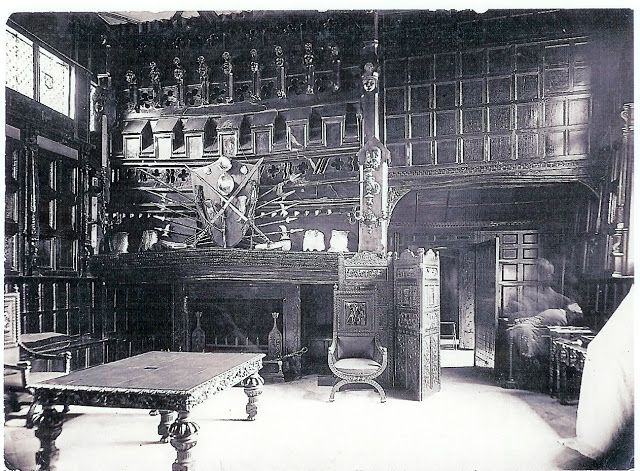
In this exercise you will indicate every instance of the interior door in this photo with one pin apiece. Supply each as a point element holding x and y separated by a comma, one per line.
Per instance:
<point>417,299</point>
<point>485,309</point>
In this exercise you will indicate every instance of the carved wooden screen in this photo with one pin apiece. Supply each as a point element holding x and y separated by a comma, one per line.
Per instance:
<point>486,318</point>
<point>417,300</point>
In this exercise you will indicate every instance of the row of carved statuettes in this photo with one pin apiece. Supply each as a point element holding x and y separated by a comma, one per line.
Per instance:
<point>227,66</point>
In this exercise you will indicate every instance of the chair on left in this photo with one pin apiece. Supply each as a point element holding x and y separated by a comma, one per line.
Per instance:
<point>24,366</point>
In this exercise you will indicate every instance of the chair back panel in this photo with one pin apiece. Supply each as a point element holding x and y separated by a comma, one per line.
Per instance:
<point>355,347</point>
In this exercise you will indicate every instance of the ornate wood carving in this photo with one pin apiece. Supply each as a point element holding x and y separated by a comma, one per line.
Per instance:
<point>178,74</point>
<point>620,251</point>
<point>417,302</point>
<point>310,68</point>
<point>466,303</point>
<point>156,87</point>
<point>281,73</point>
<point>227,69</point>
<point>164,399</point>
<point>228,264</point>
<point>254,66</point>
<point>203,73</point>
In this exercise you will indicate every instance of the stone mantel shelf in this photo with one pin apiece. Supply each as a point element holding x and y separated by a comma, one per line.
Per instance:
<point>218,264</point>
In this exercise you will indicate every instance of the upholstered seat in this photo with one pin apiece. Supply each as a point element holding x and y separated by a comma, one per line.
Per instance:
<point>357,365</point>
<point>357,359</point>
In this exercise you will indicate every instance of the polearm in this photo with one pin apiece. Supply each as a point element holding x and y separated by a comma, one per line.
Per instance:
<point>227,202</point>
<point>177,190</point>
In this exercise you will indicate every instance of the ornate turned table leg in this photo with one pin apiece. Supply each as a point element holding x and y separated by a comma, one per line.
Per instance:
<point>253,388</point>
<point>49,425</point>
<point>184,436</point>
<point>167,417</point>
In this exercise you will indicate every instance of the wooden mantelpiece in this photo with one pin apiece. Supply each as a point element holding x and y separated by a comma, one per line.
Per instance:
<point>218,264</point>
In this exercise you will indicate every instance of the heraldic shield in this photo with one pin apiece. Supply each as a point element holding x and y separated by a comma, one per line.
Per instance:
<point>226,193</point>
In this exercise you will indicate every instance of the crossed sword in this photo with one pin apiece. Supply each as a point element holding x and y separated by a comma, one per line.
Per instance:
<point>225,200</point>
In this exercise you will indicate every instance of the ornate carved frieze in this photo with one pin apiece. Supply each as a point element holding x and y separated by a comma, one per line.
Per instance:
<point>366,273</point>
<point>231,264</point>
<point>571,168</point>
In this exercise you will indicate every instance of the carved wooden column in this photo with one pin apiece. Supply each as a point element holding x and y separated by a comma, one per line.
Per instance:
<point>372,159</point>
<point>621,250</point>
<point>32,224</point>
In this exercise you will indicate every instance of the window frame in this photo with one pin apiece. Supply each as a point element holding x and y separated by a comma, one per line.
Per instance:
<point>37,48</point>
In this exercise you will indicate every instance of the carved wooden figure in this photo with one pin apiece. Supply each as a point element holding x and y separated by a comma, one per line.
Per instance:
<point>203,73</point>
<point>335,60</point>
<point>281,73</point>
<point>227,68</point>
<point>310,68</point>
<point>132,83</point>
<point>255,75</point>
<point>178,74</point>
<point>156,88</point>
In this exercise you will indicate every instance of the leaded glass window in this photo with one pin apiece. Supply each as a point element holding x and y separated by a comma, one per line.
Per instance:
<point>55,82</point>
<point>19,71</point>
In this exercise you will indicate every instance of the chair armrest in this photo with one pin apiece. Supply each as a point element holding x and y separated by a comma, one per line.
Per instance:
<point>382,351</point>
<point>60,361</point>
<point>24,367</point>
<point>331,355</point>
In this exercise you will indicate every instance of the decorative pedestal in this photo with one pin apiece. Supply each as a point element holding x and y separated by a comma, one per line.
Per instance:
<point>253,388</point>
<point>184,435</point>
<point>167,418</point>
<point>49,425</point>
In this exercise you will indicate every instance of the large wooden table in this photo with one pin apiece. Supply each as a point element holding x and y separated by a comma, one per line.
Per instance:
<point>169,382</point>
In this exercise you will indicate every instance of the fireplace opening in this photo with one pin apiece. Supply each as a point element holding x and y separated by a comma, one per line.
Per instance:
<point>241,325</point>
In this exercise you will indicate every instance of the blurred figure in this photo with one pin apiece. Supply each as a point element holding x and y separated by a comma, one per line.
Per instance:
<point>605,420</point>
<point>534,312</point>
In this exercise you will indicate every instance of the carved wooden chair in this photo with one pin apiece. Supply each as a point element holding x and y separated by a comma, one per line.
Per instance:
<point>24,366</point>
<point>357,360</point>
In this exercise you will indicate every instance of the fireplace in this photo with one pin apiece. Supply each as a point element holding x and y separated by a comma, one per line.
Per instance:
<point>237,324</point>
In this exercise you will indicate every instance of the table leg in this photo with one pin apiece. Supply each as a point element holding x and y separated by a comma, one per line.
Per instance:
<point>167,417</point>
<point>253,388</point>
<point>184,436</point>
<point>49,424</point>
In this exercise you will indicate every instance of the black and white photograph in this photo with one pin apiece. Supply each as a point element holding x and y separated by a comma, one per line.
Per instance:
<point>319,237</point>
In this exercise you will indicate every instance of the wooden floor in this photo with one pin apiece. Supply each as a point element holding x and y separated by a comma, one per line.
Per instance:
<point>469,425</point>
